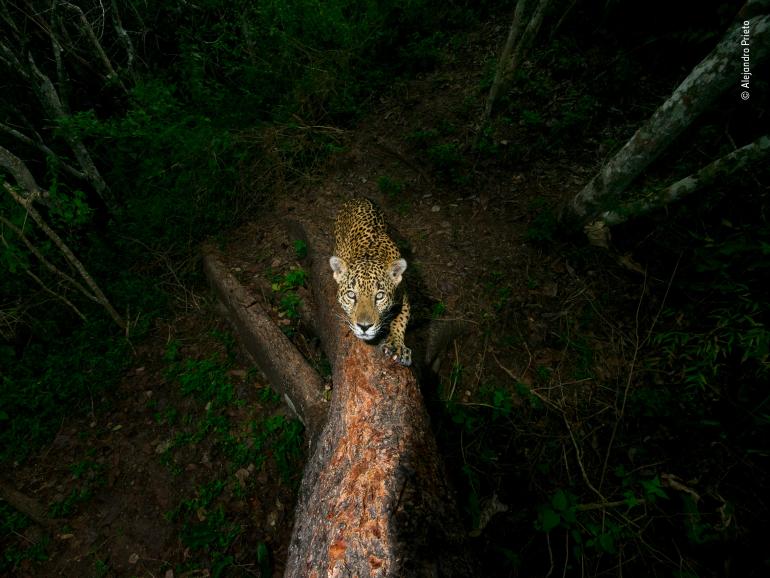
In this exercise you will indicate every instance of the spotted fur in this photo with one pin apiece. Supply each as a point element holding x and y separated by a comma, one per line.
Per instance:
<point>368,269</point>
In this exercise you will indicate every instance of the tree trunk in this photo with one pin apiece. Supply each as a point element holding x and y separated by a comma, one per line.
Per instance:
<point>502,65</point>
<point>514,50</point>
<point>716,73</point>
<point>374,499</point>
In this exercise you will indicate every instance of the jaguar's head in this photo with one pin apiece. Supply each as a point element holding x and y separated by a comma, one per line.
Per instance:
<point>366,292</point>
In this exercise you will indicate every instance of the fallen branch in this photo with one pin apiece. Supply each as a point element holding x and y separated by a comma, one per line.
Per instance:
<point>288,372</point>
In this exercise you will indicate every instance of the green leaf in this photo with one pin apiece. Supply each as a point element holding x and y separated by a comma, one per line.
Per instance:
<point>652,488</point>
<point>549,519</point>
<point>607,543</point>
<point>630,499</point>
<point>559,501</point>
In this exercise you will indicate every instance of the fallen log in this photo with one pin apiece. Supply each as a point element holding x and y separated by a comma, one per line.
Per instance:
<point>373,499</point>
<point>287,370</point>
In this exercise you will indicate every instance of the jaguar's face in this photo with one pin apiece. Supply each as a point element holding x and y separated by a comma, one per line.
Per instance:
<point>365,290</point>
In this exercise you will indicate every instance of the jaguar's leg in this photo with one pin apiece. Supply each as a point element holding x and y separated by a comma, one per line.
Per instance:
<point>394,345</point>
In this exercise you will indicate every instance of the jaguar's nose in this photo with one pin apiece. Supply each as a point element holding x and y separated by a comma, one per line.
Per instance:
<point>364,326</point>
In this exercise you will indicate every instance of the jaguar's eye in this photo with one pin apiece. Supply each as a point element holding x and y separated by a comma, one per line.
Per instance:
<point>380,295</point>
<point>351,294</point>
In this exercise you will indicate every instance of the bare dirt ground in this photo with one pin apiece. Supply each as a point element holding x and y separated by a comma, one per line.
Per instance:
<point>123,460</point>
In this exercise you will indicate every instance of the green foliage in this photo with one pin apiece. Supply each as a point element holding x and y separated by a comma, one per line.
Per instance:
<point>284,287</point>
<point>300,249</point>
<point>726,271</point>
<point>176,168</point>
<point>442,151</point>
<point>264,560</point>
<point>389,187</point>
<point>448,160</point>
<point>207,525</point>
<point>438,310</point>
<point>14,523</point>
<point>53,380</point>
<point>212,81</point>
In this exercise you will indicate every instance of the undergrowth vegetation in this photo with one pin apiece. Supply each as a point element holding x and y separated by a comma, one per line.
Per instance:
<point>268,441</point>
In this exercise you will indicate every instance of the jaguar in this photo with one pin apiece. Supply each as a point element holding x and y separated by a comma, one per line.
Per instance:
<point>368,269</point>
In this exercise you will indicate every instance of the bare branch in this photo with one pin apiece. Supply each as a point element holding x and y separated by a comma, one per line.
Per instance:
<point>46,263</point>
<point>40,145</point>
<point>705,83</point>
<point>56,48</point>
<point>86,26</point>
<point>723,166</point>
<point>7,56</point>
<point>20,172</point>
<point>26,202</point>
<point>54,294</point>
<point>124,37</point>
<point>49,98</point>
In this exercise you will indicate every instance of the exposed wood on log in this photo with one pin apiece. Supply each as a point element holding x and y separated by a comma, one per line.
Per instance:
<point>374,499</point>
<point>285,367</point>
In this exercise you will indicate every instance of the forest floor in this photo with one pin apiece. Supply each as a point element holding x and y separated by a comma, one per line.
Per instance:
<point>165,478</point>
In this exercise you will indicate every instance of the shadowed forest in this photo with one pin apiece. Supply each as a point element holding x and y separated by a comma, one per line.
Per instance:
<point>581,191</point>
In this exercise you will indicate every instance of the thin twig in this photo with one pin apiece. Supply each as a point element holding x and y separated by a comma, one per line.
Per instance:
<point>578,457</point>
<point>47,264</point>
<point>631,368</point>
<point>54,294</point>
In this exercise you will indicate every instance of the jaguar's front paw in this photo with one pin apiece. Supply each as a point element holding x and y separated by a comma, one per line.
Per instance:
<point>398,352</point>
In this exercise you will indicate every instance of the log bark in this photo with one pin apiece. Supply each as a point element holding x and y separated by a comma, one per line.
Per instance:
<point>288,372</point>
<point>374,500</point>
<point>716,73</point>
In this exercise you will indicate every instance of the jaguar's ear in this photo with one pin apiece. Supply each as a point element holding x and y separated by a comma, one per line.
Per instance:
<point>396,270</point>
<point>339,267</point>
